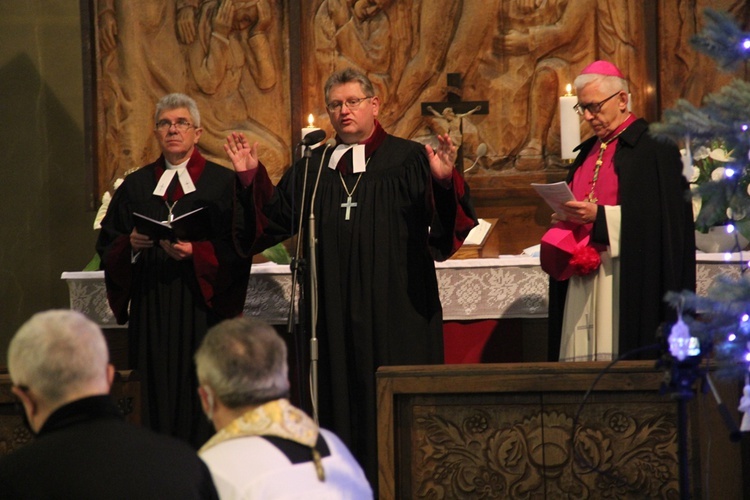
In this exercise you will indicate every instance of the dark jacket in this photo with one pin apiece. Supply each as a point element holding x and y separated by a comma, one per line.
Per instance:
<point>85,449</point>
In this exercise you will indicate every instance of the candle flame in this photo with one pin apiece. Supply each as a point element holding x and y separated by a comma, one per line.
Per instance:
<point>310,120</point>
<point>568,89</point>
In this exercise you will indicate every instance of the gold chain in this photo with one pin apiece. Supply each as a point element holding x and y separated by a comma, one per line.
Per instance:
<point>599,160</point>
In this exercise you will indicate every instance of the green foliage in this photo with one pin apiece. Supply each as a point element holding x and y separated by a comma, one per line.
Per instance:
<point>278,254</point>
<point>94,263</point>
<point>721,319</point>
<point>721,40</point>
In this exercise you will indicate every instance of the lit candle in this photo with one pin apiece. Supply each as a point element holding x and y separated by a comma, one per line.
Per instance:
<point>310,127</point>
<point>570,125</point>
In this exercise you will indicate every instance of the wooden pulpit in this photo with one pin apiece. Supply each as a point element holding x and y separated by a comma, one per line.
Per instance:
<point>522,431</point>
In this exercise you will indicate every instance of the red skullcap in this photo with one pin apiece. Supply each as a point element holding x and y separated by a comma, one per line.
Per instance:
<point>605,68</point>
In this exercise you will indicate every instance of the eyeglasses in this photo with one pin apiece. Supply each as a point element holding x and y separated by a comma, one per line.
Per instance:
<point>352,104</point>
<point>594,107</point>
<point>182,125</point>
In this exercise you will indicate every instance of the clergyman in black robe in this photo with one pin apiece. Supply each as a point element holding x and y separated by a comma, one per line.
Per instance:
<point>384,212</point>
<point>171,292</point>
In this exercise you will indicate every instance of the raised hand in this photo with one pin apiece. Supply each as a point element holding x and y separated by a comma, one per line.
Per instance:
<point>238,149</point>
<point>443,160</point>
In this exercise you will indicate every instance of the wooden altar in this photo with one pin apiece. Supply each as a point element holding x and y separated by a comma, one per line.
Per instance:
<point>504,431</point>
<point>474,294</point>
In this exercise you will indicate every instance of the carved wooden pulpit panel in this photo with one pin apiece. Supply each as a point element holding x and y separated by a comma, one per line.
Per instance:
<point>521,431</point>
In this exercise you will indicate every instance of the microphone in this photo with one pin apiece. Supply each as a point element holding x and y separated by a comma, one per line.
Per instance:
<point>313,138</point>
<point>481,151</point>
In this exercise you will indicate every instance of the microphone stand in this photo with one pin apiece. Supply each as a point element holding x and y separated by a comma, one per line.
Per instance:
<point>313,273</point>
<point>297,266</point>
<point>297,263</point>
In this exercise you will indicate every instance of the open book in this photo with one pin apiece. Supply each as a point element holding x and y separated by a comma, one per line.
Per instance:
<point>477,235</point>
<point>555,194</point>
<point>191,226</point>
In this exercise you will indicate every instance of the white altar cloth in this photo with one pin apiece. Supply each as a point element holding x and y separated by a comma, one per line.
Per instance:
<point>470,289</point>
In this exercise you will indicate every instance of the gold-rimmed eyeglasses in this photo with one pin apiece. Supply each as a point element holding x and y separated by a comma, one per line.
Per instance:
<point>352,103</point>
<point>181,125</point>
<point>594,107</point>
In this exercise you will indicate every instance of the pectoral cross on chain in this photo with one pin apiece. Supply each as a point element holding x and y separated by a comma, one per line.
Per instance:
<point>348,205</point>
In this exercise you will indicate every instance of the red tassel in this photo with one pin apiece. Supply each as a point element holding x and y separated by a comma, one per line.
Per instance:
<point>585,260</point>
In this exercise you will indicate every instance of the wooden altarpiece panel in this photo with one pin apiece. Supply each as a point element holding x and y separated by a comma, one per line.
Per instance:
<point>231,57</point>
<point>267,75</point>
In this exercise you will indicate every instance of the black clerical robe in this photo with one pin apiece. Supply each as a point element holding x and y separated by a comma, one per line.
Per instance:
<point>378,292</point>
<point>657,239</point>
<point>173,303</point>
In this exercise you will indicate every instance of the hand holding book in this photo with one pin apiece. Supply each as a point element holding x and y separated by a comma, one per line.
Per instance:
<point>191,226</point>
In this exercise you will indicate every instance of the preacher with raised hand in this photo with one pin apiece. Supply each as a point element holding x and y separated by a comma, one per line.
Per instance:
<point>385,208</point>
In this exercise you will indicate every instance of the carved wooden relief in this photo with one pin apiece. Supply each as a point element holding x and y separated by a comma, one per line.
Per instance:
<point>233,56</point>
<point>518,55</point>
<point>228,55</point>
<point>526,430</point>
<point>512,449</point>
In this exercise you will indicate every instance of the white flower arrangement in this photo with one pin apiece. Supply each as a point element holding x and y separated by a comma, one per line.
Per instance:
<point>95,261</point>
<point>720,191</point>
<point>106,198</point>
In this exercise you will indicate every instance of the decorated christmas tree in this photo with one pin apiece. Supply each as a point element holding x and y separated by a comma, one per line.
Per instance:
<point>716,139</point>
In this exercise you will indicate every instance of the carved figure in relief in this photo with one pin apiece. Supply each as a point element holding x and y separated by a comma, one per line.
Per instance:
<point>399,45</point>
<point>349,33</point>
<point>186,20</point>
<point>137,66</point>
<point>234,68</point>
<point>448,122</point>
<point>536,48</point>
<point>689,74</point>
<point>518,55</point>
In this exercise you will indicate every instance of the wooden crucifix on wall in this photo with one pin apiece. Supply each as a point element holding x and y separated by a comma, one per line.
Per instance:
<point>453,110</point>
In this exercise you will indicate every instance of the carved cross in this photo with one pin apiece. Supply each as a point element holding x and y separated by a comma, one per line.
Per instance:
<point>453,101</point>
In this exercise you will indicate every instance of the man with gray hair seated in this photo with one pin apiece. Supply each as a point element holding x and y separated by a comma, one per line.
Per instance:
<point>265,447</point>
<point>59,365</point>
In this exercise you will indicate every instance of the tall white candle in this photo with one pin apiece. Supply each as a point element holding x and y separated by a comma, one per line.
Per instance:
<point>570,125</point>
<point>310,127</point>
